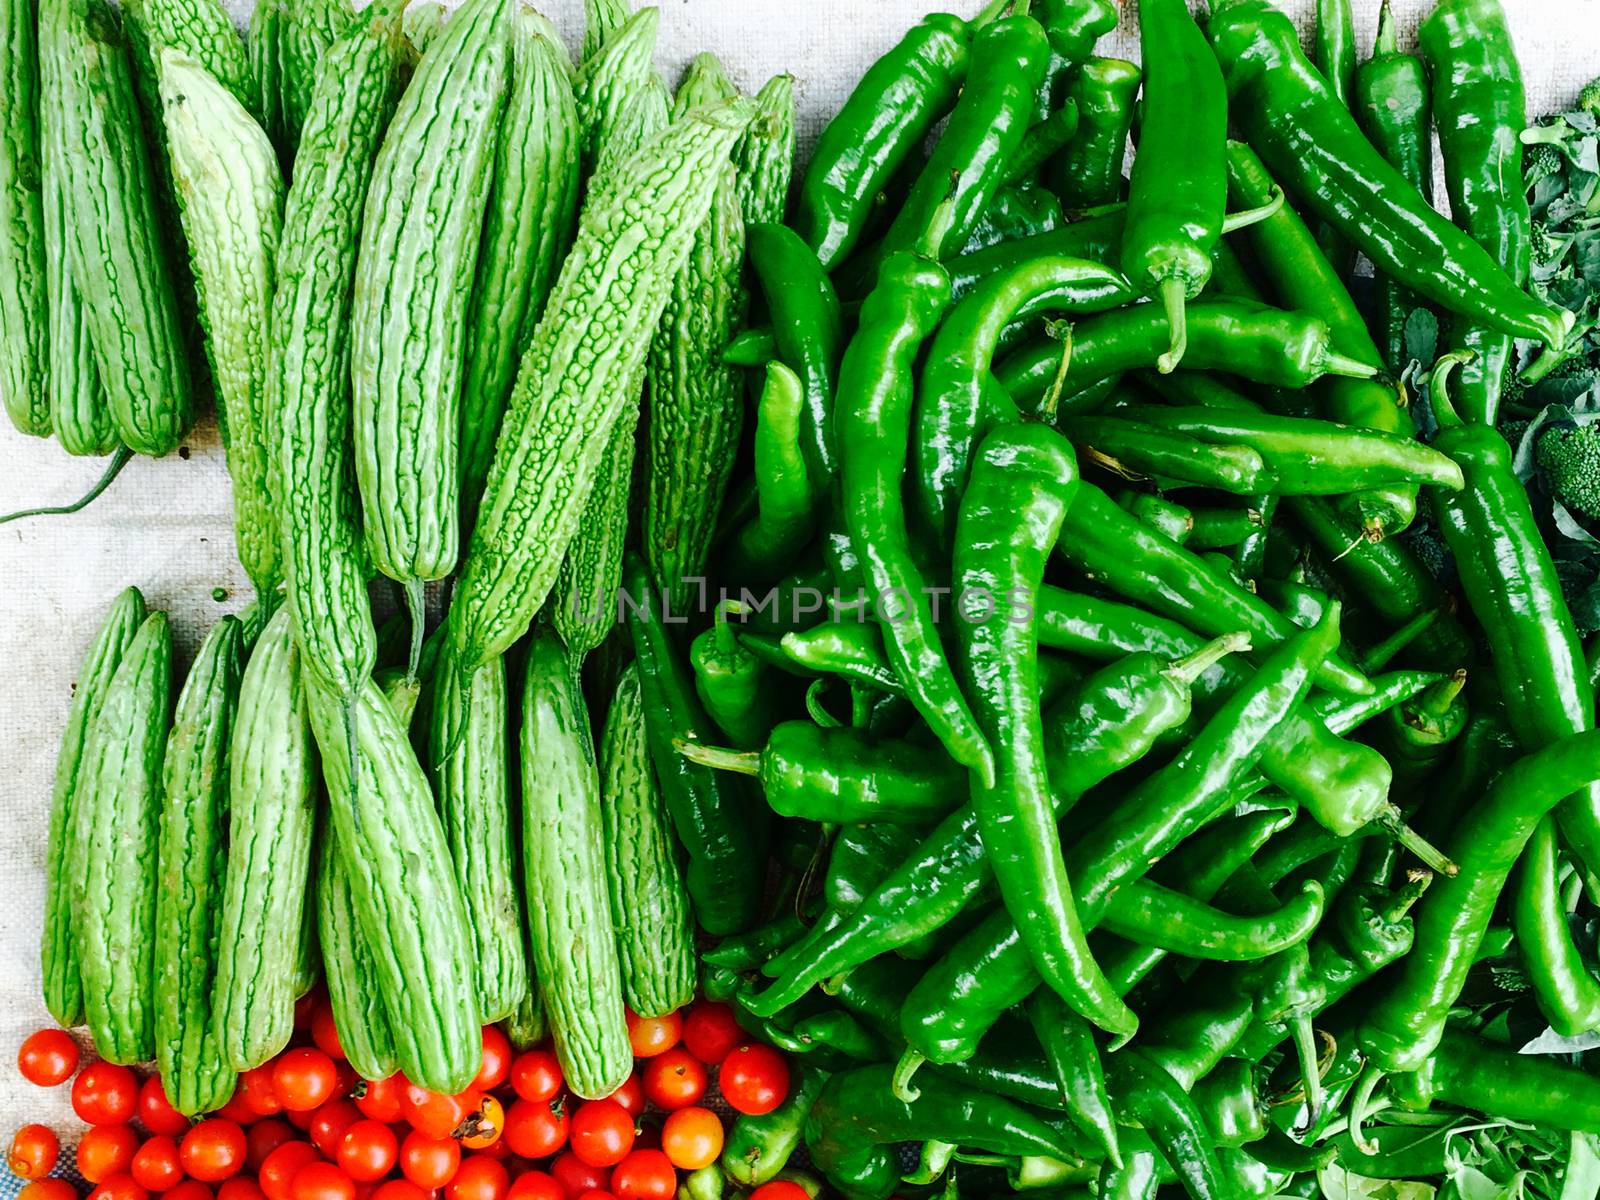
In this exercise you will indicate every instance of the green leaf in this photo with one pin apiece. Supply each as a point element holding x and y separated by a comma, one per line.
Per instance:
<point>1336,1183</point>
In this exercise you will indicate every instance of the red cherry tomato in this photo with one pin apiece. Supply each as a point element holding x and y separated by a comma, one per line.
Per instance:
<point>368,1151</point>
<point>324,1033</point>
<point>48,1189</point>
<point>278,1170</point>
<point>322,1181</point>
<point>106,1150</point>
<point>156,1166</point>
<point>257,1093</point>
<point>434,1113</point>
<point>48,1057</point>
<point>711,1033</point>
<point>675,1079</point>
<point>597,1194</point>
<point>429,1162</point>
<point>329,1122</point>
<point>119,1187</point>
<point>483,1125</point>
<point>496,1064</point>
<point>536,1075</point>
<point>213,1150</point>
<point>754,1079</point>
<point>34,1151</point>
<point>602,1133</point>
<point>630,1095</point>
<point>240,1187</point>
<point>262,1138</point>
<point>644,1175</point>
<point>535,1185</point>
<point>650,1036</point>
<point>478,1178</point>
<point>300,1120</point>
<point>381,1099</point>
<point>692,1138</point>
<point>400,1189</point>
<point>536,1128</point>
<point>577,1177</point>
<point>105,1094</point>
<point>304,1078</point>
<point>156,1113</point>
<point>780,1189</point>
<point>190,1189</point>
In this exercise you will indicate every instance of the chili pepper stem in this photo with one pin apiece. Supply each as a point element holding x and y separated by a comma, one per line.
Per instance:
<point>904,1069</point>
<point>990,13</point>
<point>1361,1107</point>
<point>931,1163</point>
<point>818,711</point>
<point>1305,1047</point>
<point>720,758</point>
<point>1404,899</point>
<point>113,469</point>
<point>1444,412</point>
<point>860,706</point>
<point>1387,42</point>
<point>1436,701</point>
<point>1381,654</point>
<point>1187,669</point>
<point>1175,299</point>
<point>1234,222</point>
<point>727,640</point>
<point>1052,396</point>
<point>1334,363</point>
<point>417,611</point>
<point>1431,855</point>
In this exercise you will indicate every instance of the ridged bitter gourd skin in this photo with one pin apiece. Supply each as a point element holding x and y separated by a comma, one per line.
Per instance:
<point>649,906</point>
<point>24,360</point>
<point>611,78</point>
<point>348,966</point>
<point>633,236</point>
<point>264,48</point>
<point>764,157</point>
<point>63,984</point>
<point>230,192</point>
<point>306,29</point>
<point>119,256</point>
<point>274,808</point>
<point>601,20</point>
<point>201,29</point>
<point>115,847</point>
<point>414,273</point>
<point>193,862</point>
<point>308,376</point>
<point>564,876</point>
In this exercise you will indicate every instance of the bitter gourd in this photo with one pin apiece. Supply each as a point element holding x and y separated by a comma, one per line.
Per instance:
<point>601,20</point>
<point>115,845</point>
<point>569,912</point>
<point>306,29</point>
<point>24,361</point>
<point>193,860</point>
<point>419,246</point>
<point>63,985</point>
<point>308,376</point>
<point>201,29</point>
<point>420,25</point>
<point>655,930</point>
<point>764,158</point>
<point>119,257</point>
<point>274,806</point>
<point>350,970</point>
<point>527,1026</point>
<point>264,48</point>
<point>611,79</point>
<point>529,225</point>
<point>231,195</point>
<point>633,236</point>
<point>406,900</point>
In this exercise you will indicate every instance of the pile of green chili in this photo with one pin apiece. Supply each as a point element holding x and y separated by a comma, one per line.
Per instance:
<point>1184,758</point>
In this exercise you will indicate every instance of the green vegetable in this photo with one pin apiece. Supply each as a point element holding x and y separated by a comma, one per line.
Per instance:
<point>601,20</point>
<point>114,847</point>
<point>527,1026</point>
<point>1569,458</point>
<point>307,29</point>
<point>264,48</point>
<point>231,194</point>
<point>764,158</point>
<point>24,346</point>
<point>350,969</point>
<point>564,875</point>
<point>192,861</point>
<point>63,986</point>
<point>650,909</point>
<point>273,815</point>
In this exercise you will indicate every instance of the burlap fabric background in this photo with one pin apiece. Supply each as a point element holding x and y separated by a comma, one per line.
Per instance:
<point>166,527</point>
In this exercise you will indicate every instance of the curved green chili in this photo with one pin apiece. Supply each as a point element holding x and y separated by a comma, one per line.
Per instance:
<point>1170,921</point>
<point>1069,1047</point>
<point>1147,1096</point>
<point>1131,447</point>
<point>1565,989</point>
<point>1088,172</point>
<point>732,684</point>
<point>762,548</point>
<point>1094,238</point>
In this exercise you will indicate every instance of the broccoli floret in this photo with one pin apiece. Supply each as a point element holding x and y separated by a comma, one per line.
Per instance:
<point>1543,161</point>
<point>1569,459</point>
<point>1548,248</point>
<point>1589,98</point>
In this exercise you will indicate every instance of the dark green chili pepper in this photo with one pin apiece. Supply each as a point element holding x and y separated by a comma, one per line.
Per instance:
<point>839,776</point>
<point>1131,447</point>
<point>1094,238</point>
<point>1565,989</point>
<point>1114,718</point>
<point>970,161</point>
<point>1402,1029</point>
<point>808,331</point>
<point>874,420</point>
<point>752,348</point>
<point>1391,104</point>
<point>861,855</point>
<point>1137,1176</point>
<point>1266,345</point>
<point>1042,142</point>
<point>841,1031</point>
<point>1170,921</point>
<point>1014,212</point>
<point>759,1146</point>
<point>1074,26</point>
<point>1219,528</point>
<point>747,951</point>
<point>1334,49</point>
<point>1472,1072</point>
<point>1230,1104</point>
<point>954,404</point>
<point>883,121</point>
<point>1088,173</point>
<point>732,684</point>
<point>1070,1048</point>
<point>989,970</point>
<point>1420,730</point>
<point>1178,193</point>
<point>723,835</point>
<point>1380,654</point>
<point>1301,277</point>
<point>852,1129</point>
<point>1480,111</point>
<point>852,650</point>
<point>1146,1095</point>
<point>1011,516</point>
<point>1313,146</point>
<point>1122,555</point>
<point>1342,714</point>
<point>1169,519</point>
<point>762,548</point>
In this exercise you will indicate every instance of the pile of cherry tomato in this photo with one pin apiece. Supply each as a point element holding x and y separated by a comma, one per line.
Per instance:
<point>305,1127</point>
